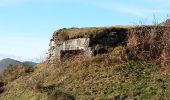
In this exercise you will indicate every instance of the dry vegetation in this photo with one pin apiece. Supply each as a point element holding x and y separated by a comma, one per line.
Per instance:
<point>12,73</point>
<point>108,76</point>
<point>150,44</point>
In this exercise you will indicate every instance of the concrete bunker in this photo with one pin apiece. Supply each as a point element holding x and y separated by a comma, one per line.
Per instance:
<point>70,48</point>
<point>86,42</point>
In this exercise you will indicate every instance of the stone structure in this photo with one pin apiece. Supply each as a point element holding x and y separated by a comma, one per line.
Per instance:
<point>68,43</point>
<point>59,49</point>
<point>147,42</point>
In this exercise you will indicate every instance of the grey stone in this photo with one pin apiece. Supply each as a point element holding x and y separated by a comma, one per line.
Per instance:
<point>69,45</point>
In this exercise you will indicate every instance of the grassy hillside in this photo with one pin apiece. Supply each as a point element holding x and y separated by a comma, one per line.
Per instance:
<point>102,77</point>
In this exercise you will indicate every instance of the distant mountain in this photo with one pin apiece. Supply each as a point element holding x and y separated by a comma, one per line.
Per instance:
<point>4,63</point>
<point>30,63</point>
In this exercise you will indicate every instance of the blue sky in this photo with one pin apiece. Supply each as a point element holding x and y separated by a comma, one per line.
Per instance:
<point>26,26</point>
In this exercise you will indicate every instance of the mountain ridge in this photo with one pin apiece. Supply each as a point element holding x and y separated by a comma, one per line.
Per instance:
<point>4,63</point>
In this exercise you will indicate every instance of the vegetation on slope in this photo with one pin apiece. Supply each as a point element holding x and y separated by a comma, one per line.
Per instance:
<point>150,44</point>
<point>12,73</point>
<point>102,77</point>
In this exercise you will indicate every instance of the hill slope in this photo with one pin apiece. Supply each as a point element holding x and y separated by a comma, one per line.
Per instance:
<point>101,77</point>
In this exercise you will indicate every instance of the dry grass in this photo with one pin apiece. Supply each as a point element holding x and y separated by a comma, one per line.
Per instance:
<point>12,73</point>
<point>34,83</point>
<point>150,44</point>
<point>107,76</point>
<point>101,77</point>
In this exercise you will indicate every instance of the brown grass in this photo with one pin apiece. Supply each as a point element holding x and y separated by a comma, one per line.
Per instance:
<point>12,73</point>
<point>150,44</point>
<point>102,75</point>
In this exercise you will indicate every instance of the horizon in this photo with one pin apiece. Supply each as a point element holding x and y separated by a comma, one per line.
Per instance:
<point>26,26</point>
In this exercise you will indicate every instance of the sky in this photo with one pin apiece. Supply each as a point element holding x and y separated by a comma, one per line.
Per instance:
<point>26,26</point>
